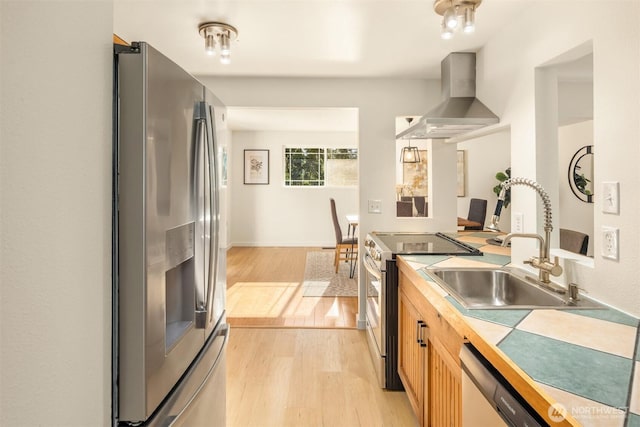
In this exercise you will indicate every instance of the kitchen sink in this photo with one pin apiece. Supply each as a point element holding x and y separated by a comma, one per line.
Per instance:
<point>501,289</point>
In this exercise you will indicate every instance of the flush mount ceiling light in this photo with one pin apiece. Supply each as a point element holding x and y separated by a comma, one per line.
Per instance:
<point>409,154</point>
<point>456,14</point>
<point>218,34</point>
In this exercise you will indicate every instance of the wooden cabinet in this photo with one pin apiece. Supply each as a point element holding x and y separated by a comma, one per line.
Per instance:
<point>445,388</point>
<point>412,354</point>
<point>428,361</point>
<point>432,375</point>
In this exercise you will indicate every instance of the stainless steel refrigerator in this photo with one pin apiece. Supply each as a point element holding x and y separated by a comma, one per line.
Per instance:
<point>170,330</point>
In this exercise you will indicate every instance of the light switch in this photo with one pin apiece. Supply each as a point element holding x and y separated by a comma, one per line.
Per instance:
<point>610,197</point>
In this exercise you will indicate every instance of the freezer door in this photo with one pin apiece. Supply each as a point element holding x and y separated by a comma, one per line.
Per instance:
<point>200,398</point>
<point>161,258</point>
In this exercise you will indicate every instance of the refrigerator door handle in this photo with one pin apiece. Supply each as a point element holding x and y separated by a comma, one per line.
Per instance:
<point>201,308</point>
<point>214,224</point>
<point>204,312</point>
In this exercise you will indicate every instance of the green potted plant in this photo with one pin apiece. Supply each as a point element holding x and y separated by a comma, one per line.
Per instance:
<point>502,177</point>
<point>581,182</point>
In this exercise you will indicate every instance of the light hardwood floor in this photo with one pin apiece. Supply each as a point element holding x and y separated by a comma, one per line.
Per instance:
<point>307,377</point>
<point>264,289</point>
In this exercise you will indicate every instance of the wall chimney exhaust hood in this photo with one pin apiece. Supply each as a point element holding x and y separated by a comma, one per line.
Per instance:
<point>461,111</point>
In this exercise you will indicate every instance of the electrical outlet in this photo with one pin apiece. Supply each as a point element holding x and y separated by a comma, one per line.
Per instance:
<point>610,242</point>
<point>518,222</point>
<point>375,206</point>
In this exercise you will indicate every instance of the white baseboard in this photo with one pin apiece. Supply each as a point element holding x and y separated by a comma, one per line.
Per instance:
<point>285,244</point>
<point>362,324</point>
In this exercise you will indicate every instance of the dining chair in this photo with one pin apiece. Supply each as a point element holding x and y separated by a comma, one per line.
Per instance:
<point>404,208</point>
<point>419,202</point>
<point>477,213</point>
<point>346,247</point>
<point>574,241</point>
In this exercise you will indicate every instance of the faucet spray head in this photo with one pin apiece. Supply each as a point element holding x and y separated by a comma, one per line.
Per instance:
<point>494,224</point>
<point>495,219</point>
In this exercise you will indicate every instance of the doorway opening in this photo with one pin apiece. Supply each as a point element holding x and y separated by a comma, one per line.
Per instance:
<point>564,99</point>
<point>281,233</point>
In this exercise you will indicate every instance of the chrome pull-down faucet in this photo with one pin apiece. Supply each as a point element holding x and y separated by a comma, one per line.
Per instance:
<point>542,262</point>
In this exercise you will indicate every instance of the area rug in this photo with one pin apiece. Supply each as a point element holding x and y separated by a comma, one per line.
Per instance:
<point>321,279</point>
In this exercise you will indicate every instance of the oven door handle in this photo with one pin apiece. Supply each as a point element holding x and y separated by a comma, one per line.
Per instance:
<point>371,267</point>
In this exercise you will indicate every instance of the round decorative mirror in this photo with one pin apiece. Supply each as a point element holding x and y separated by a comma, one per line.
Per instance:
<point>581,174</point>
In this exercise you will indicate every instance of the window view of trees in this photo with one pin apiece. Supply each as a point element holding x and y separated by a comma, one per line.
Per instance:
<point>304,166</point>
<point>320,166</point>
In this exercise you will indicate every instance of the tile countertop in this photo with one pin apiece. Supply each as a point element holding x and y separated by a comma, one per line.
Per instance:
<point>586,360</point>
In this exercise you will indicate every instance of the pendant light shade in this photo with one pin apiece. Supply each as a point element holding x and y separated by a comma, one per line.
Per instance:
<point>409,154</point>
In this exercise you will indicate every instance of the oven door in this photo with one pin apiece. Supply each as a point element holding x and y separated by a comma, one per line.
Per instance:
<point>376,328</point>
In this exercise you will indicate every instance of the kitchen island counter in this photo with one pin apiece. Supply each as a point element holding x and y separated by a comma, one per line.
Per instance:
<point>586,362</point>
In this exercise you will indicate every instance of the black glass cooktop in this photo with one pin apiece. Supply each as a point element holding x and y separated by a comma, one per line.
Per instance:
<point>425,243</point>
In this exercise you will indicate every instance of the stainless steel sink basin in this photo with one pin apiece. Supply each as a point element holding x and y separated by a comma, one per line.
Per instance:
<point>500,289</point>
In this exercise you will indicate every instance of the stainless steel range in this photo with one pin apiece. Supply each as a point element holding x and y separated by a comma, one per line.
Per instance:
<point>381,282</point>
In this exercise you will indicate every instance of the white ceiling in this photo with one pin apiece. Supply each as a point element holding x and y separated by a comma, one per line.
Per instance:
<point>313,38</point>
<point>309,38</point>
<point>288,119</point>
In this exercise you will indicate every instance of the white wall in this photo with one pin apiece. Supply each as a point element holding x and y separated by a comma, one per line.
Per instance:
<point>484,157</point>
<point>574,214</point>
<point>506,83</point>
<point>275,215</point>
<point>55,227</point>
<point>378,101</point>
<point>575,102</point>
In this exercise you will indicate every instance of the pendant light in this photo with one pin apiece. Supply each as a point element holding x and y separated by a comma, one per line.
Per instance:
<point>409,154</point>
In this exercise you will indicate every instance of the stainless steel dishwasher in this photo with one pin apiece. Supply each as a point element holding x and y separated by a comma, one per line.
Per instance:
<point>488,399</point>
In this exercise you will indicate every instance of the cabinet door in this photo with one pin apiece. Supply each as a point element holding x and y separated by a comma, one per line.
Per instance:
<point>412,334</point>
<point>444,408</point>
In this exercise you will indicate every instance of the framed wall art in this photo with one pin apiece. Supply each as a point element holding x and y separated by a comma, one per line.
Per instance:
<point>256,167</point>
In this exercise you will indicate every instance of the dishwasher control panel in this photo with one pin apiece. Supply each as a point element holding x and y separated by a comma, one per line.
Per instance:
<point>502,397</point>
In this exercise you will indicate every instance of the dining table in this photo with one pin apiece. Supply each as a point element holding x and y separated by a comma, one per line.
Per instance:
<point>463,222</point>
